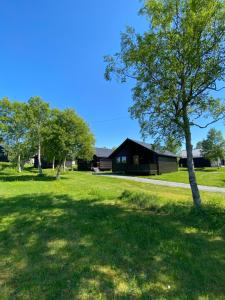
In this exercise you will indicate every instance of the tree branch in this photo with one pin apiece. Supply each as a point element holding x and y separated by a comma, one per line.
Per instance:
<point>215,89</point>
<point>210,123</point>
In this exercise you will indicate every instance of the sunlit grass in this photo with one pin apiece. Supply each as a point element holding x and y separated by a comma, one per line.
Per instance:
<point>91,237</point>
<point>207,176</point>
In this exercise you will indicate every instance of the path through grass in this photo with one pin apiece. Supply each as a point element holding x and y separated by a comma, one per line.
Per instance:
<point>207,176</point>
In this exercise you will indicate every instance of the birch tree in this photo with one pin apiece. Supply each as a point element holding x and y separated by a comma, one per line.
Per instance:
<point>175,63</point>
<point>14,132</point>
<point>67,135</point>
<point>38,112</point>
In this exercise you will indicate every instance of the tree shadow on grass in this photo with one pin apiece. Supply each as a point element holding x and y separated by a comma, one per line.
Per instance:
<point>5,177</point>
<point>208,170</point>
<point>57,247</point>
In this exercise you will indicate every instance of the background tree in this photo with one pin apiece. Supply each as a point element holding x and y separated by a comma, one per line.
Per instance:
<point>14,131</point>
<point>172,145</point>
<point>199,145</point>
<point>67,135</point>
<point>213,147</point>
<point>175,63</point>
<point>38,113</point>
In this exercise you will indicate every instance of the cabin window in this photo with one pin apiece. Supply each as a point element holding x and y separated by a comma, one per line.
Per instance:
<point>118,159</point>
<point>136,159</point>
<point>123,159</point>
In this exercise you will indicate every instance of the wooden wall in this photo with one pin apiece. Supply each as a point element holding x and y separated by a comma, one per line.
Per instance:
<point>105,164</point>
<point>3,156</point>
<point>167,164</point>
<point>199,162</point>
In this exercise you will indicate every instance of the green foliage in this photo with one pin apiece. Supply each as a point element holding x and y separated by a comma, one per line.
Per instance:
<point>33,128</point>
<point>14,131</point>
<point>172,145</point>
<point>175,63</point>
<point>37,114</point>
<point>67,136</point>
<point>199,145</point>
<point>213,147</point>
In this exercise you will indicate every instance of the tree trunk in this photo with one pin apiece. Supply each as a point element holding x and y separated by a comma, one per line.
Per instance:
<point>191,172</point>
<point>53,163</point>
<point>58,172</point>
<point>19,164</point>
<point>39,160</point>
<point>218,163</point>
<point>64,164</point>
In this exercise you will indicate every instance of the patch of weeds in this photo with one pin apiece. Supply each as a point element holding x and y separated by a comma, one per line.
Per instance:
<point>96,194</point>
<point>141,200</point>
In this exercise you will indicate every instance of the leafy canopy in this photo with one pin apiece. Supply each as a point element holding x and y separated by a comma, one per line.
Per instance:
<point>213,147</point>
<point>37,113</point>
<point>67,136</point>
<point>14,130</point>
<point>175,63</point>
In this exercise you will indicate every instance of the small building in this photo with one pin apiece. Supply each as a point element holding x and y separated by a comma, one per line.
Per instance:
<point>46,164</point>
<point>135,157</point>
<point>198,159</point>
<point>100,161</point>
<point>3,155</point>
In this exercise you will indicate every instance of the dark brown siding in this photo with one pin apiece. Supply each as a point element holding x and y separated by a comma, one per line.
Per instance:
<point>167,164</point>
<point>105,164</point>
<point>3,156</point>
<point>199,162</point>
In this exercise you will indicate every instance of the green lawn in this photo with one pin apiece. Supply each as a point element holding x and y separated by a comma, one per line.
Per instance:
<point>207,176</point>
<point>89,237</point>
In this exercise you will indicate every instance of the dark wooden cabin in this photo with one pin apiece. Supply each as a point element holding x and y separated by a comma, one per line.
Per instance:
<point>44,163</point>
<point>134,157</point>
<point>3,155</point>
<point>100,160</point>
<point>198,159</point>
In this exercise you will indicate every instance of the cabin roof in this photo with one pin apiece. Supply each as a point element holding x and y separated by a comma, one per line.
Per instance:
<point>149,147</point>
<point>103,152</point>
<point>196,153</point>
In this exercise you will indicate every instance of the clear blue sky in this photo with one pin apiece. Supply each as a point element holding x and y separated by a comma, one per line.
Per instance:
<point>55,49</point>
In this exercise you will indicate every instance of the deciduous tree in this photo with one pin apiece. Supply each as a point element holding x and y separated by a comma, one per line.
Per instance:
<point>38,112</point>
<point>14,131</point>
<point>176,62</point>
<point>213,147</point>
<point>67,135</point>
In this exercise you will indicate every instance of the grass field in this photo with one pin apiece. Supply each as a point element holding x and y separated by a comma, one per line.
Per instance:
<point>207,176</point>
<point>89,237</point>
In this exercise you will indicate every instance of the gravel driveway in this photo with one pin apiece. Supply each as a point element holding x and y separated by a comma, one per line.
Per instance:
<point>212,189</point>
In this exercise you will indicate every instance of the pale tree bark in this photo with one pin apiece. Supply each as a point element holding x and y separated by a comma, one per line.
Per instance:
<point>58,172</point>
<point>19,164</point>
<point>190,163</point>
<point>218,163</point>
<point>39,159</point>
<point>53,163</point>
<point>64,164</point>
